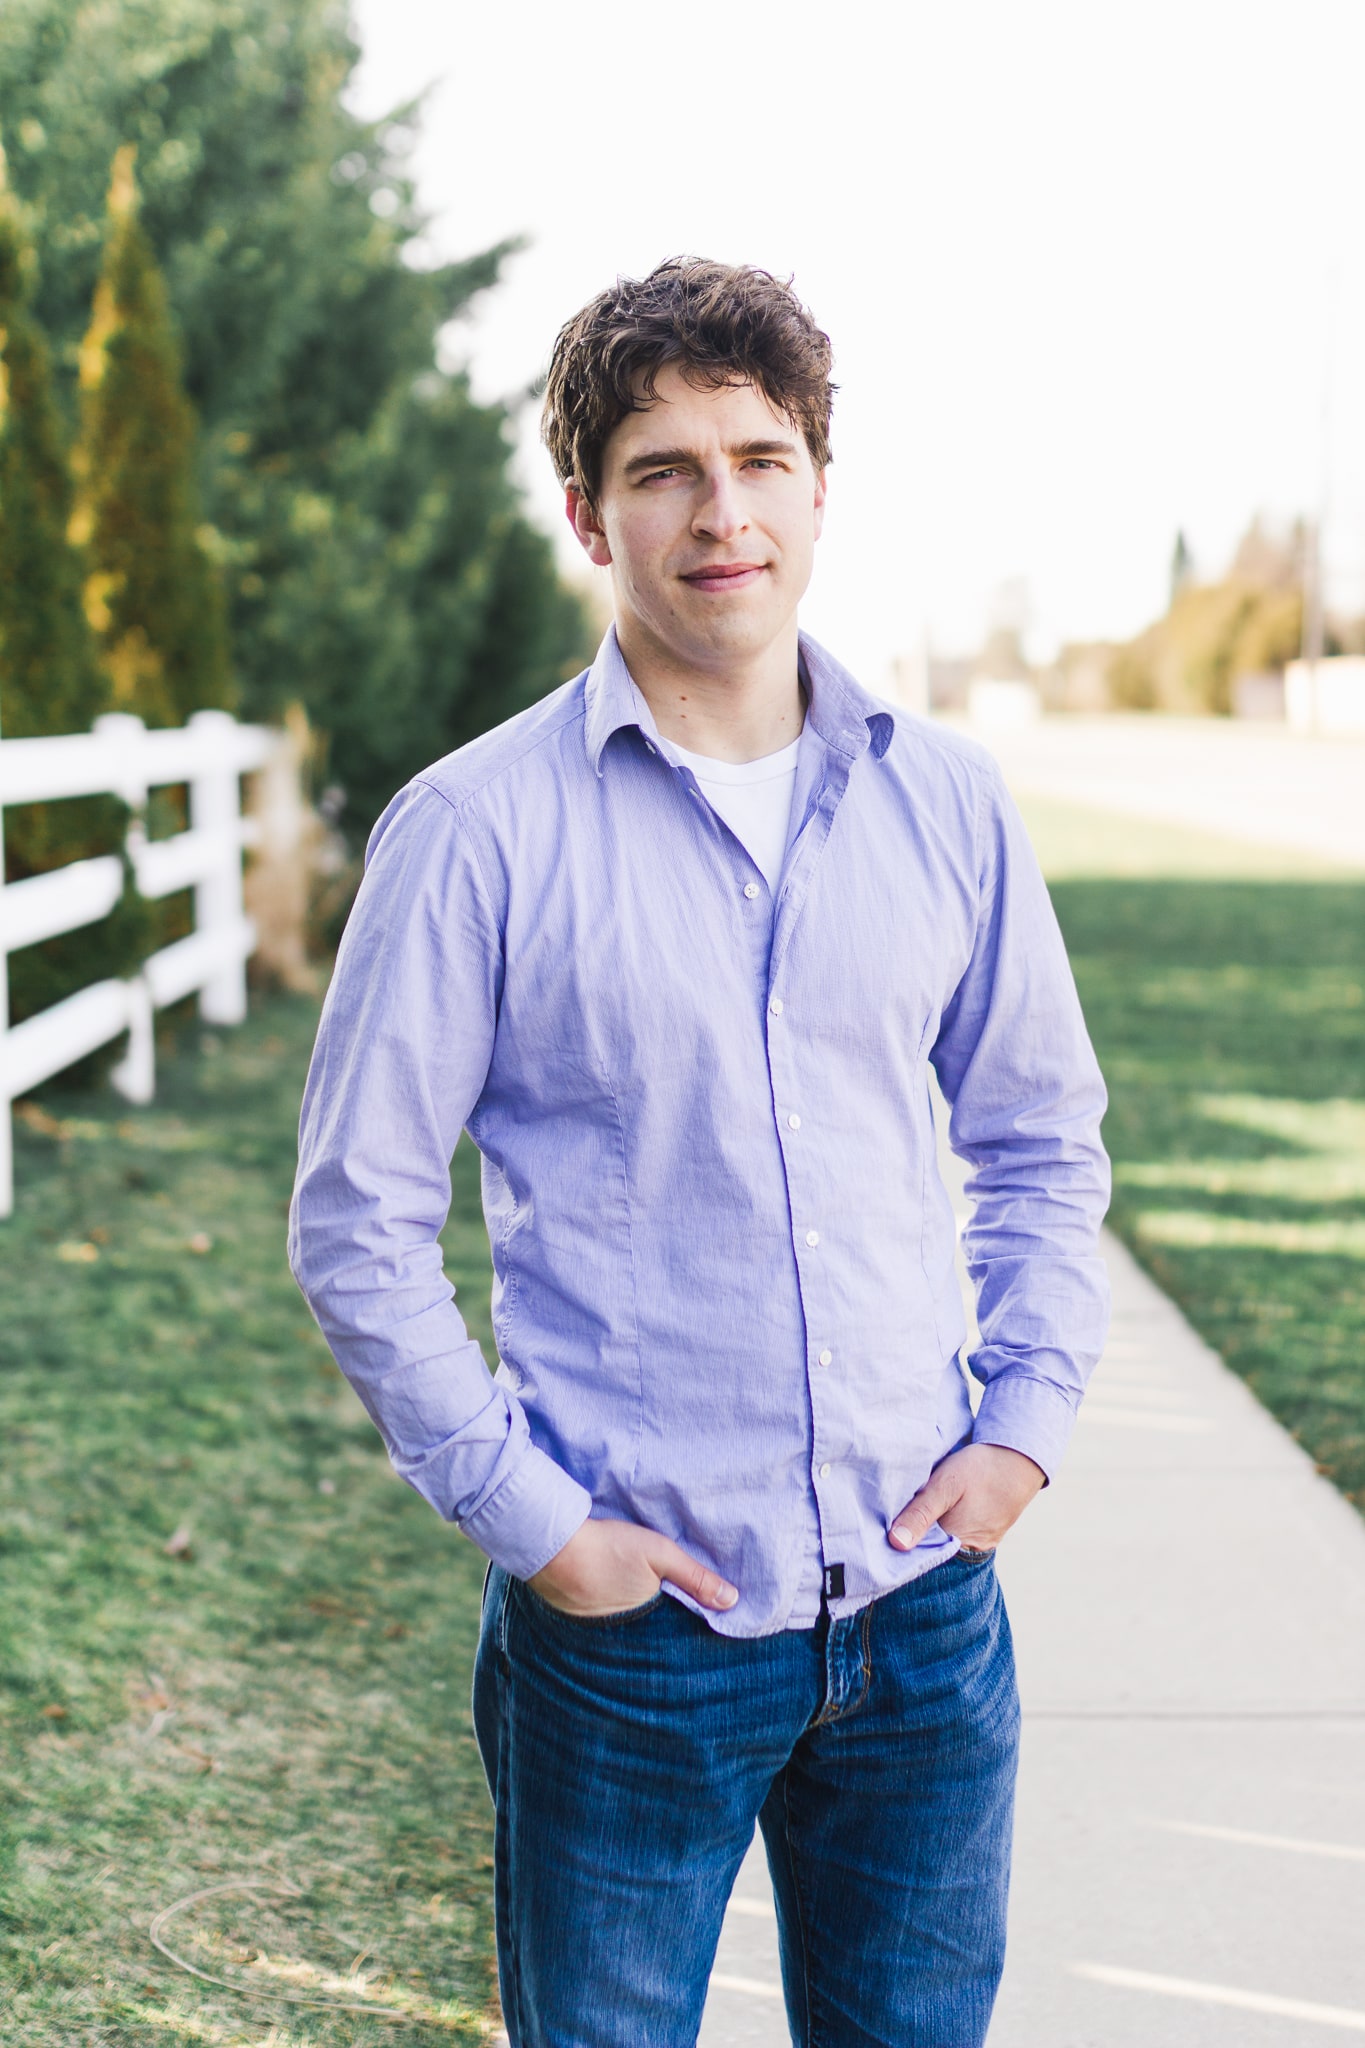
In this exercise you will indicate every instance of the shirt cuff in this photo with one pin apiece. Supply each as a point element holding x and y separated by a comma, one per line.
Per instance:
<point>530,1517</point>
<point>1024,1414</point>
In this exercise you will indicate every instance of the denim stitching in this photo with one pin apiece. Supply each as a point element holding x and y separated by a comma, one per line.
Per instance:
<point>594,1621</point>
<point>865,1631</point>
<point>515,2027</point>
<point>828,1712</point>
<point>504,1657</point>
<point>835,1710</point>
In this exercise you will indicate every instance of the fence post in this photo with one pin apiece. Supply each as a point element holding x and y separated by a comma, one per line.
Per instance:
<point>276,887</point>
<point>215,806</point>
<point>135,1074</point>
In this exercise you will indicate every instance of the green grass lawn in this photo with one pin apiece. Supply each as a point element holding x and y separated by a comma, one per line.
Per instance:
<point>1225,991</point>
<point>234,1650</point>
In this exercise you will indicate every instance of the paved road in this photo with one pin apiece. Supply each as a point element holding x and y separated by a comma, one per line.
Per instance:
<point>1228,776</point>
<point>1189,1610</point>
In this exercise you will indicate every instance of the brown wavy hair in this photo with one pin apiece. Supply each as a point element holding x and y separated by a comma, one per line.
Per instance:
<point>718,323</point>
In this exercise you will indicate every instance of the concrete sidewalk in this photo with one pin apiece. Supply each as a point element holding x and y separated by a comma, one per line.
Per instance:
<point>1189,1614</point>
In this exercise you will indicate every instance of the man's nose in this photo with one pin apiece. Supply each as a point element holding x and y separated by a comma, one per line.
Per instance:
<point>721,513</point>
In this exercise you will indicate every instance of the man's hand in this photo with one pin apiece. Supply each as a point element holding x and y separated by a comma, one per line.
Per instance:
<point>607,1567</point>
<point>976,1495</point>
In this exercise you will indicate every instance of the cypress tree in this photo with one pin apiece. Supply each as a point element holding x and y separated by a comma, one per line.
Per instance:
<point>50,680</point>
<point>151,593</point>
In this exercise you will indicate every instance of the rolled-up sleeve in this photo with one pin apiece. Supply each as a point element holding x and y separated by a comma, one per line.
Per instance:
<point>402,1055</point>
<point>1015,1063</point>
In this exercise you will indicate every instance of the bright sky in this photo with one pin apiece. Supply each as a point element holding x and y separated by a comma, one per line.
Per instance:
<point>1090,270</point>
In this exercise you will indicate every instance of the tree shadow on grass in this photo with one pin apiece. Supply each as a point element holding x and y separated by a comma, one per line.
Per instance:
<point>1229,1018</point>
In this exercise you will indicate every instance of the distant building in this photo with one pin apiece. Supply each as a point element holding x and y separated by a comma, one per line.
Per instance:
<point>1326,696</point>
<point>949,676</point>
<point>1078,680</point>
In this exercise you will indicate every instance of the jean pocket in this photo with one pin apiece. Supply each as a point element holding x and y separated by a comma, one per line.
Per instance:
<point>970,1556</point>
<point>618,1618</point>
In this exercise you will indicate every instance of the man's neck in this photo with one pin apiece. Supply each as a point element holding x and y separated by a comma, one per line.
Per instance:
<point>741,712</point>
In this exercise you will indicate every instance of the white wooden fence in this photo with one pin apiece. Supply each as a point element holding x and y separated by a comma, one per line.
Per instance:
<point>122,758</point>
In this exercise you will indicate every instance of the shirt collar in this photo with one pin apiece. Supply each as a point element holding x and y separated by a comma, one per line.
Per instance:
<point>846,717</point>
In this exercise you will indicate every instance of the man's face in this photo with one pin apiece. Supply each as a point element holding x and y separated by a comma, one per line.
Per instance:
<point>707,515</point>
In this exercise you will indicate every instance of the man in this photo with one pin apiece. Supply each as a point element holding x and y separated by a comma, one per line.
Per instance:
<point>678,948</point>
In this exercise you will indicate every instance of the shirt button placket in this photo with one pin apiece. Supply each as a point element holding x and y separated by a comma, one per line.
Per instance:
<point>811,1237</point>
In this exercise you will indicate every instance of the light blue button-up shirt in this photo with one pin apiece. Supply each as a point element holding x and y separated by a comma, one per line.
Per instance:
<point>724,1298</point>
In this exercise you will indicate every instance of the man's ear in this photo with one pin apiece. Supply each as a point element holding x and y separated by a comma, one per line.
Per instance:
<point>819,501</point>
<point>587,527</point>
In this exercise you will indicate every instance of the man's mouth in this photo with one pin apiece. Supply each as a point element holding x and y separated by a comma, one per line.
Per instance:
<point>724,575</point>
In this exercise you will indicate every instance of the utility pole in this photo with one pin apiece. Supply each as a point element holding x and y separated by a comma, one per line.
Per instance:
<point>1314,607</point>
<point>1313,634</point>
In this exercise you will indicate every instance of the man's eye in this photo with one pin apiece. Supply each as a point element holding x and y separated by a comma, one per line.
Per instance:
<point>654,474</point>
<point>761,462</point>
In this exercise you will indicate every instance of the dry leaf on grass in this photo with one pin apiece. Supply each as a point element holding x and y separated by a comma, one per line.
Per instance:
<point>207,1764</point>
<point>35,1118</point>
<point>178,1545</point>
<point>72,1254</point>
<point>331,1608</point>
<point>201,1242</point>
<point>54,1713</point>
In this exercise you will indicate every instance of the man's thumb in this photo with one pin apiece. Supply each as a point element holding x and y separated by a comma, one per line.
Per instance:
<point>918,1517</point>
<point>709,1589</point>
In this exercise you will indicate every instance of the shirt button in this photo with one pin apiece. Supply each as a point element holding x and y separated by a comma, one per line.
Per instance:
<point>812,1238</point>
<point>824,1471</point>
<point>751,890</point>
<point>826,1356</point>
<point>776,1006</point>
<point>793,1122</point>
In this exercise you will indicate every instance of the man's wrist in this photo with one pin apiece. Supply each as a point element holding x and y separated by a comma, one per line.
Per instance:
<point>528,1520</point>
<point>1032,1416</point>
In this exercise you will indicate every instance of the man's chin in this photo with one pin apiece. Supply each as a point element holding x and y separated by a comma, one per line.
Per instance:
<point>731,632</point>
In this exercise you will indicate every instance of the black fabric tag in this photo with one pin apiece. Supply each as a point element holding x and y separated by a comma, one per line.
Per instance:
<point>834,1582</point>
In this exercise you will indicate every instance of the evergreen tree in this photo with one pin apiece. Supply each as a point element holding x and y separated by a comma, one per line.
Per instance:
<point>151,594</point>
<point>50,681</point>
<point>440,612</point>
<point>290,239</point>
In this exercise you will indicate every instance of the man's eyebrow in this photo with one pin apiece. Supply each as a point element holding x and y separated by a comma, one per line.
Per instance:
<point>660,458</point>
<point>677,458</point>
<point>763,448</point>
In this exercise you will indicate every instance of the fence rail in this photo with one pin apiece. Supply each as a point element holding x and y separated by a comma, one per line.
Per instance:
<point>122,758</point>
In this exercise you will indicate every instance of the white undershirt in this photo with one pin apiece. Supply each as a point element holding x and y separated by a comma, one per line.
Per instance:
<point>753,797</point>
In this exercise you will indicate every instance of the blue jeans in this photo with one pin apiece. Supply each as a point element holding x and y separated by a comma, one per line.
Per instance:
<point>629,1757</point>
